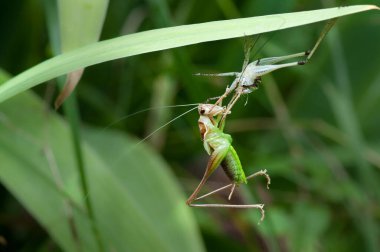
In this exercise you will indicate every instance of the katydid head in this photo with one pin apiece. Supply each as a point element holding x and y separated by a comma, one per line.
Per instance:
<point>211,110</point>
<point>206,121</point>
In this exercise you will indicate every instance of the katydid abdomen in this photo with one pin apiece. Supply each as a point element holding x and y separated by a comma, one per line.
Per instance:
<point>233,168</point>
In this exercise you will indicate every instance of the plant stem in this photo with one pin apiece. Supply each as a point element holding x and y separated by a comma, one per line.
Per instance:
<point>71,111</point>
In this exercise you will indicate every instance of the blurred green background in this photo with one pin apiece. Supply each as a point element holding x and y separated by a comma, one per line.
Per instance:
<point>315,128</point>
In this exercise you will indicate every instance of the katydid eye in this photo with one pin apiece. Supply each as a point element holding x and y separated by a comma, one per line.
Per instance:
<point>203,111</point>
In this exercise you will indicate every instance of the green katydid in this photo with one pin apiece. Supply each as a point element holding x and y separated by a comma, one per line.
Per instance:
<point>218,145</point>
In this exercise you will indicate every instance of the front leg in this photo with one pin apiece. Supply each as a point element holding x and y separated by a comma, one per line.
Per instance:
<point>228,91</point>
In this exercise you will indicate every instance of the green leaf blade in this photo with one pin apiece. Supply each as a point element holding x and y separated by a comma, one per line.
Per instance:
<point>166,38</point>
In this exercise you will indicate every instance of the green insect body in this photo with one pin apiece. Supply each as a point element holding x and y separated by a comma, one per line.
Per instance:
<point>233,168</point>
<point>218,145</point>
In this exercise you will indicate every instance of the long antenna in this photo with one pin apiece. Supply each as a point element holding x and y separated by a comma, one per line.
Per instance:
<point>264,44</point>
<point>166,124</point>
<point>148,109</point>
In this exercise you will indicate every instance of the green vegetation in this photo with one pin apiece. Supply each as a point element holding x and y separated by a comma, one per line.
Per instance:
<point>78,179</point>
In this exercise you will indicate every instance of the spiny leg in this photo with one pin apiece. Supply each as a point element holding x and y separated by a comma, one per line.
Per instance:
<point>259,173</point>
<point>193,196</point>
<point>223,96</point>
<point>232,191</point>
<point>274,60</point>
<point>220,100</point>
<point>228,89</point>
<point>323,34</point>
<point>231,104</point>
<point>215,160</point>
<point>309,54</point>
<point>233,185</point>
<point>257,206</point>
<point>263,70</point>
<point>218,74</point>
<point>227,92</point>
